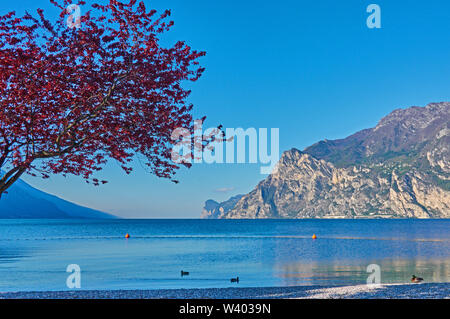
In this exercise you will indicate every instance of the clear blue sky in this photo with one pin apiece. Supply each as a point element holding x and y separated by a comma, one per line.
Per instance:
<point>311,68</point>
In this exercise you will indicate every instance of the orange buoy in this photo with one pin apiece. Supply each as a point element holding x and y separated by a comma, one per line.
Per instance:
<point>314,236</point>
<point>127,236</point>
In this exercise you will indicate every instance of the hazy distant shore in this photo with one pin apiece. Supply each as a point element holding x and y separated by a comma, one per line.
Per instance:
<point>389,291</point>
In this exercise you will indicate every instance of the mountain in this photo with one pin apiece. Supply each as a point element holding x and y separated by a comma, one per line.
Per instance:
<point>398,169</point>
<point>214,209</point>
<point>24,201</point>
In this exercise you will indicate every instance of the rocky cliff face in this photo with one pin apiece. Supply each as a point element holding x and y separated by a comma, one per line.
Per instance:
<point>400,168</point>
<point>213,209</point>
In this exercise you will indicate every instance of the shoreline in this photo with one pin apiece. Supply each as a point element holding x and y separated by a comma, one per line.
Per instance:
<point>382,291</point>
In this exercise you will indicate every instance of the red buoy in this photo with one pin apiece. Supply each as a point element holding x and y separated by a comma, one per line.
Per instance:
<point>127,236</point>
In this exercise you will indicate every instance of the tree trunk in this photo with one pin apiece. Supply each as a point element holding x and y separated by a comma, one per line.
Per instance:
<point>10,178</point>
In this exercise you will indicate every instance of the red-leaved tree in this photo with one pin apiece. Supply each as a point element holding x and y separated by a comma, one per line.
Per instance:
<point>72,98</point>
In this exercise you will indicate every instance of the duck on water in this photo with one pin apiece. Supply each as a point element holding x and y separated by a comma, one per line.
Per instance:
<point>416,279</point>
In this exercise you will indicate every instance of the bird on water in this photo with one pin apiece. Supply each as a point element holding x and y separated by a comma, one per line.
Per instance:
<point>416,279</point>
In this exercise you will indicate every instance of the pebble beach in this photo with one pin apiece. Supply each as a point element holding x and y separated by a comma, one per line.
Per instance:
<point>384,291</point>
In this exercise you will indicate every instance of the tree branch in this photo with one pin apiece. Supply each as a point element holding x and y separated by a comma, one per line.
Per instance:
<point>10,178</point>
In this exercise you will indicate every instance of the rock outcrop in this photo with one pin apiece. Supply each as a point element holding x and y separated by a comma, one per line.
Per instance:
<point>398,169</point>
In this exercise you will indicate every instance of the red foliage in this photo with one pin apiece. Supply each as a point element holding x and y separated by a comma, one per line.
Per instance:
<point>72,98</point>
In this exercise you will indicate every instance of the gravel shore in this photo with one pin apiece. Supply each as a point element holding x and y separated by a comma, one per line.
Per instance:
<point>388,291</point>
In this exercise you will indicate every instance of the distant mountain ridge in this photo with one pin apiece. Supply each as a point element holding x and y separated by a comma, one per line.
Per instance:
<point>398,169</point>
<point>24,201</point>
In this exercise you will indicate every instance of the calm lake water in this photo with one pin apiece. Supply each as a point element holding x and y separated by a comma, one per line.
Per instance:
<point>34,254</point>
